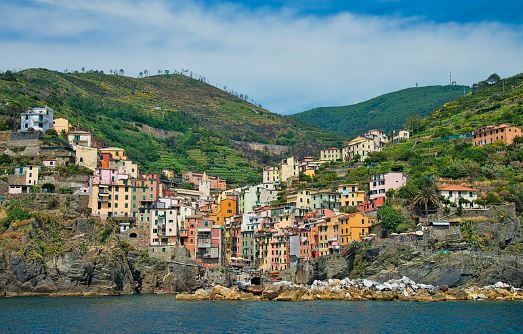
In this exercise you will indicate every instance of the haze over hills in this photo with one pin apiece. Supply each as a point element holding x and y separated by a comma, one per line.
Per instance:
<point>165,121</point>
<point>387,112</point>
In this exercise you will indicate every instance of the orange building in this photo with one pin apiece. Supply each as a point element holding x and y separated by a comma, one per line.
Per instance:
<point>227,208</point>
<point>492,133</point>
<point>353,227</point>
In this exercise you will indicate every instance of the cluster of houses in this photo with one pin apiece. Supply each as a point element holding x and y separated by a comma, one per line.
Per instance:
<point>360,147</point>
<point>251,226</point>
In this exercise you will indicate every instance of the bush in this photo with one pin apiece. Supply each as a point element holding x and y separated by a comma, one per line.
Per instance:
<point>15,214</point>
<point>389,217</point>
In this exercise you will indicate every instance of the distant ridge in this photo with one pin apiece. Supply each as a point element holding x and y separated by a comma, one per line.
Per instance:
<point>387,112</point>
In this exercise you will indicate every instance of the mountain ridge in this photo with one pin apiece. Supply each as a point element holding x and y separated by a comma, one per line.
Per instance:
<point>387,111</point>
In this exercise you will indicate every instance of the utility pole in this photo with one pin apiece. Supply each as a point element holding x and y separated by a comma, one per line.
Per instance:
<point>450,78</point>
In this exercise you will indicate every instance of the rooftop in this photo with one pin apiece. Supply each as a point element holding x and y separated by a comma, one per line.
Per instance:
<point>457,188</point>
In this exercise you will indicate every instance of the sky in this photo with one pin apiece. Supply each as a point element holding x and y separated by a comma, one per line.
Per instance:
<point>289,56</point>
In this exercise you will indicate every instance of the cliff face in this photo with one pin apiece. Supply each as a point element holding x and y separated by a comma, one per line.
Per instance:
<point>483,249</point>
<point>60,249</point>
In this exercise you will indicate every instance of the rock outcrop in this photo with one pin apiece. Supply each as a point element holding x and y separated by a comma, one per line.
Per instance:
<point>403,289</point>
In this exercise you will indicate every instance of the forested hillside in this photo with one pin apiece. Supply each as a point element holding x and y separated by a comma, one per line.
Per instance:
<point>387,112</point>
<point>164,121</point>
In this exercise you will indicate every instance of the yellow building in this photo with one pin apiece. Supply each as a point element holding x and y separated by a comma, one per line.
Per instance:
<point>115,152</point>
<point>289,168</point>
<point>86,156</point>
<point>328,235</point>
<point>61,125</point>
<point>350,195</point>
<point>110,194</point>
<point>353,227</point>
<point>301,199</point>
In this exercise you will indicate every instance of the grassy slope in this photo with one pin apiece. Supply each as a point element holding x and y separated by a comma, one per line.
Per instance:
<point>387,112</point>
<point>198,122</point>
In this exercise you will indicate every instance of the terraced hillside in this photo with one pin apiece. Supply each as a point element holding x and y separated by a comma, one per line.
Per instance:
<point>164,121</point>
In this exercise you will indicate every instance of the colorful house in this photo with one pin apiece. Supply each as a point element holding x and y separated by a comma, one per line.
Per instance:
<point>379,184</point>
<point>503,133</point>
<point>350,195</point>
<point>61,125</point>
<point>353,227</point>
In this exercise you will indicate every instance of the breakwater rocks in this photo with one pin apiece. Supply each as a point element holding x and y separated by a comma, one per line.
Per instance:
<point>403,289</point>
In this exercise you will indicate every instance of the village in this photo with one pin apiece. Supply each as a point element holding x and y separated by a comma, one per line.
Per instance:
<point>251,227</point>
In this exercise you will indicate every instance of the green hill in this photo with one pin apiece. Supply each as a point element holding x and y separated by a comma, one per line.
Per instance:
<point>441,147</point>
<point>164,121</point>
<point>387,112</point>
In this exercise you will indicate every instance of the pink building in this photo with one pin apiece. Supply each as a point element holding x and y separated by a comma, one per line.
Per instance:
<point>381,183</point>
<point>195,178</point>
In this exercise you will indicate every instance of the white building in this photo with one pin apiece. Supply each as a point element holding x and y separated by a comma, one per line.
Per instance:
<point>163,223</point>
<point>378,135</point>
<point>256,196</point>
<point>82,138</point>
<point>455,193</point>
<point>40,119</point>
<point>125,167</point>
<point>400,136</point>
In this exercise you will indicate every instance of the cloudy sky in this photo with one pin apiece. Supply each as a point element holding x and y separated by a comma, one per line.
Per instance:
<point>288,55</point>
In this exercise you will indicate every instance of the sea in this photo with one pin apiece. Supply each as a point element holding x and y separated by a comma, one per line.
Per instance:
<point>163,314</point>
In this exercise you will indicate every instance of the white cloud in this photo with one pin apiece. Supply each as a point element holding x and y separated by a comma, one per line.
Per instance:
<point>287,61</point>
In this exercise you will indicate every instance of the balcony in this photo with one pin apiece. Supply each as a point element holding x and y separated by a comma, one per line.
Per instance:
<point>103,197</point>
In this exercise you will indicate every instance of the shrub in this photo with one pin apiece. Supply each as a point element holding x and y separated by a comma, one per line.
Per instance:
<point>15,214</point>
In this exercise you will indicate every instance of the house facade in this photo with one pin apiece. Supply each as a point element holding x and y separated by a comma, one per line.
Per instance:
<point>61,125</point>
<point>350,195</point>
<point>330,154</point>
<point>379,184</point>
<point>490,134</point>
<point>460,195</point>
<point>360,146</point>
<point>39,119</point>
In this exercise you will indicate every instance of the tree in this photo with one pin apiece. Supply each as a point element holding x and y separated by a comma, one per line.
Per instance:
<point>413,123</point>
<point>493,79</point>
<point>426,195</point>
<point>389,217</point>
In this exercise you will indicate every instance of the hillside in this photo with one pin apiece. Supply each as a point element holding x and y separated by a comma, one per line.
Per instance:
<point>164,121</point>
<point>439,149</point>
<point>387,112</point>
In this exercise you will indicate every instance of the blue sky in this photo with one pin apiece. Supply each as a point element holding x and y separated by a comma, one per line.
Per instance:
<point>288,55</point>
<point>434,10</point>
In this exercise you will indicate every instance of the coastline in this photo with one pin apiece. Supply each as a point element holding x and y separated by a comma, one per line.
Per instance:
<point>403,289</point>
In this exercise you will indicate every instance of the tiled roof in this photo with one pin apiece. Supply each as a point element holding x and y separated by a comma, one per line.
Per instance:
<point>457,188</point>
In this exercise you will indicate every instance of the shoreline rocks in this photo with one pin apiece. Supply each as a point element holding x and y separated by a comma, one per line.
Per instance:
<point>346,289</point>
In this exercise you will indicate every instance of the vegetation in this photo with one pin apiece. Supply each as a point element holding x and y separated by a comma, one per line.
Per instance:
<point>164,121</point>
<point>14,213</point>
<point>386,112</point>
